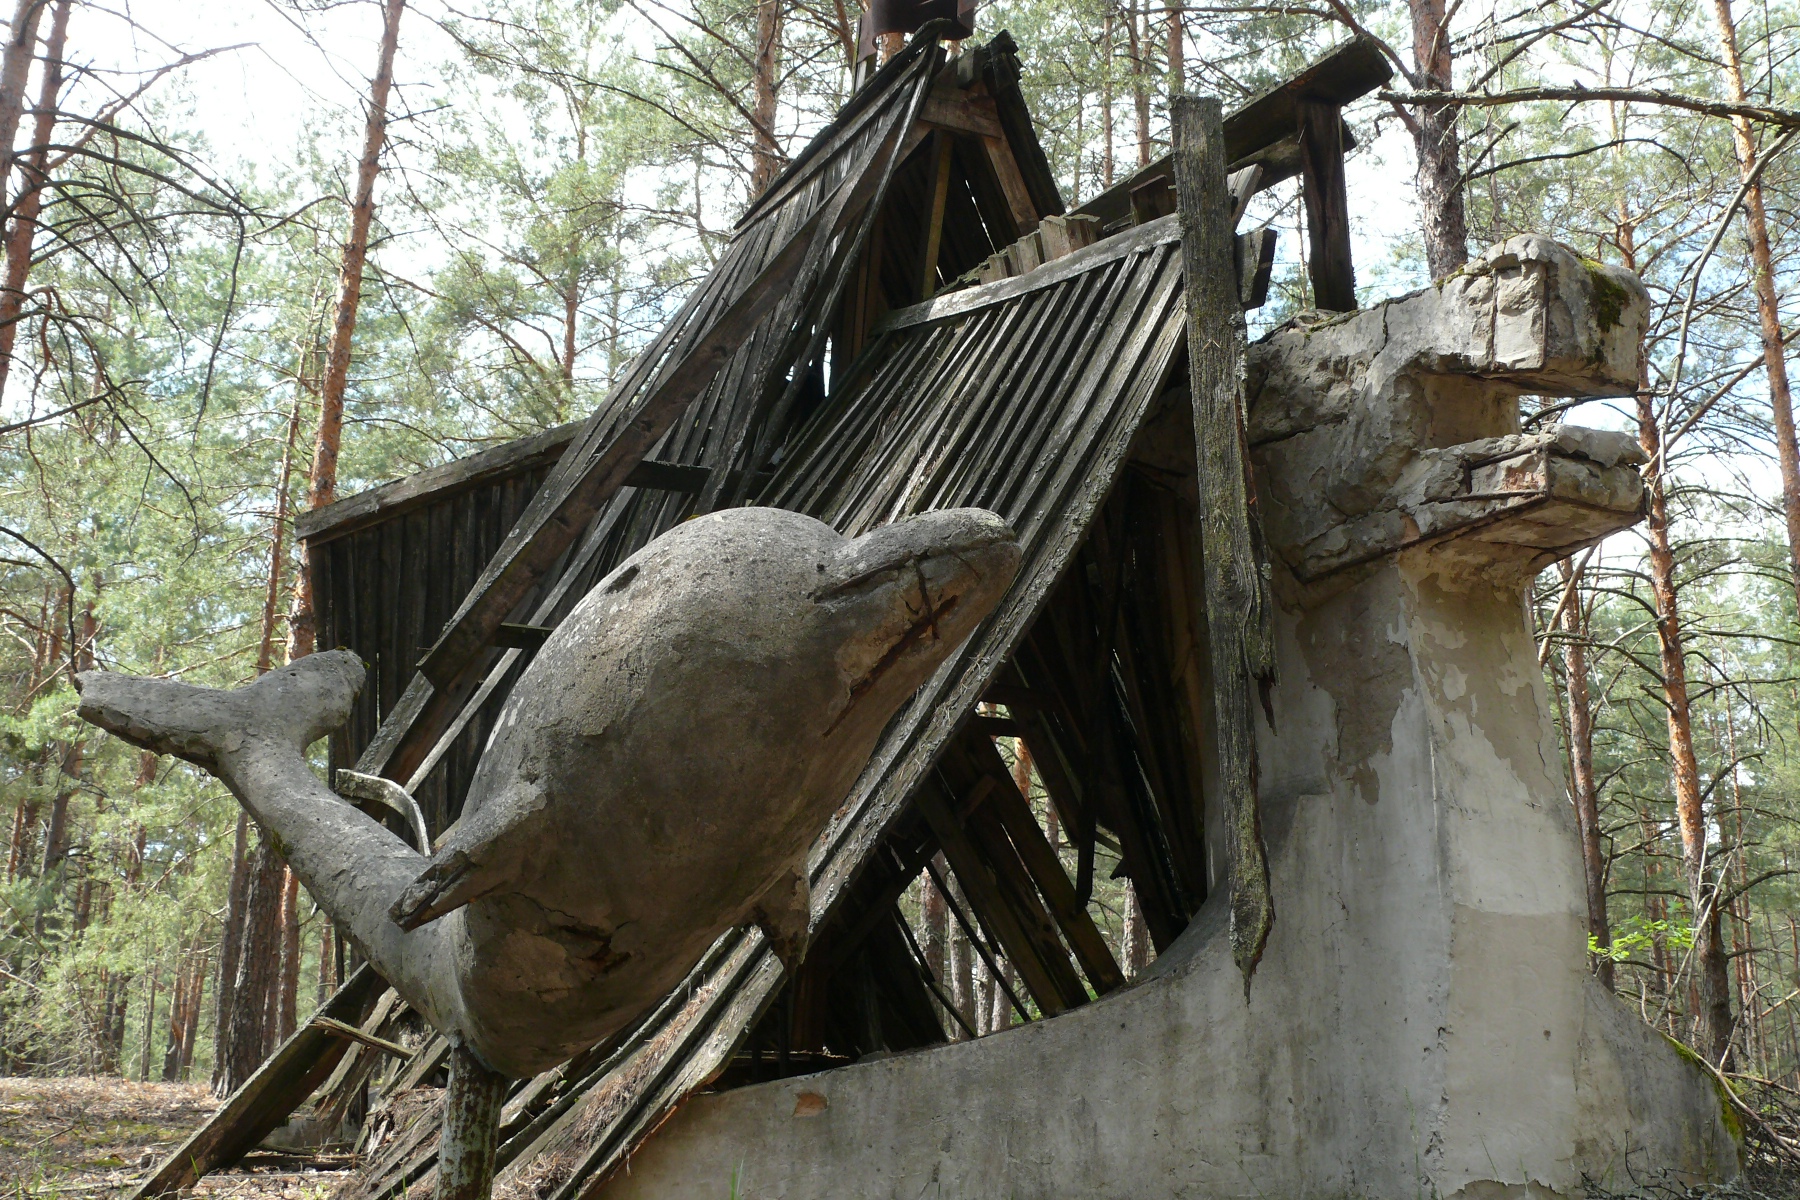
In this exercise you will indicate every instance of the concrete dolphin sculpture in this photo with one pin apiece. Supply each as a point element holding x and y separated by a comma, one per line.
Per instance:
<point>655,778</point>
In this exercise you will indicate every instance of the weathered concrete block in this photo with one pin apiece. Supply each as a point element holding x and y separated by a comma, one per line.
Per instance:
<point>1382,430</point>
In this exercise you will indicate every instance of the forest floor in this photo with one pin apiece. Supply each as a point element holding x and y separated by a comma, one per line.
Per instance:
<point>95,1138</point>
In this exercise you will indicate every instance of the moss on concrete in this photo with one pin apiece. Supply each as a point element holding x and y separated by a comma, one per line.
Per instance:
<point>1727,1110</point>
<point>1610,297</point>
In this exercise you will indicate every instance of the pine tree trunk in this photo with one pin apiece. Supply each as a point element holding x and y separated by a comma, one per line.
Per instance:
<point>1108,37</point>
<point>1439,175</point>
<point>265,650</point>
<point>1177,49</point>
<point>190,1035</point>
<point>1768,311</point>
<point>231,942</point>
<point>1002,1015</point>
<point>1134,951</point>
<point>178,1016</point>
<point>766,155</point>
<point>984,998</point>
<point>242,1046</point>
<point>149,1029</point>
<point>327,976</point>
<point>1655,910</point>
<point>962,974</point>
<point>24,833</point>
<point>30,202</point>
<point>15,73</point>
<point>936,917</point>
<point>322,483</point>
<point>1140,81</point>
<point>1714,983</point>
<point>1581,775</point>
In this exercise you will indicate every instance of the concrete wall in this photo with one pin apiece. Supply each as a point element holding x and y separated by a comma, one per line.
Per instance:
<point>1423,1023</point>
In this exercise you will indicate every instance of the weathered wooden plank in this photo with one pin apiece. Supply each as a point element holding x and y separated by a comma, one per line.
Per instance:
<point>1238,608</point>
<point>355,1034</point>
<point>277,1088</point>
<point>1263,131</point>
<point>1000,72</point>
<point>1344,73</point>
<point>952,110</point>
<point>1327,207</point>
<point>944,161</point>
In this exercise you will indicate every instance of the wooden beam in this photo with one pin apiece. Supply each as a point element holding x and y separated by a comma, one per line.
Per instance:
<point>957,111</point>
<point>1327,207</point>
<point>982,888</point>
<point>1344,73</point>
<point>278,1087</point>
<point>1046,870</point>
<point>934,227</point>
<point>1263,131</point>
<point>1255,257</point>
<point>1239,613</point>
<point>1012,184</point>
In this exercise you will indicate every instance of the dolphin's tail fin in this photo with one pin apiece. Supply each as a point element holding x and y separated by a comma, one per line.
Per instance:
<point>292,706</point>
<point>255,740</point>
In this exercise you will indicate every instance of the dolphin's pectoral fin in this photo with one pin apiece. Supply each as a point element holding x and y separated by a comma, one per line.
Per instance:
<point>784,914</point>
<point>452,880</point>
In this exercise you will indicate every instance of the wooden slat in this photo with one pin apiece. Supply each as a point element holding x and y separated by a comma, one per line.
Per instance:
<point>277,1088</point>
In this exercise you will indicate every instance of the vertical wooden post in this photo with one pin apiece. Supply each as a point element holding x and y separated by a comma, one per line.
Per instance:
<point>472,1105</point>
<point>1327,205</point>
<point>934,229</point>
<point>1238,610</point>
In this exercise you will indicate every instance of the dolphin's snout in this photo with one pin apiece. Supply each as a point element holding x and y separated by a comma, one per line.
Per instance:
<point>949,544</point>
<point>906,595</point>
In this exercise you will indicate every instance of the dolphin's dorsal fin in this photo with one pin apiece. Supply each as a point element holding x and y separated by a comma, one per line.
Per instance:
<point>784,914</point>
<point>481,854</point>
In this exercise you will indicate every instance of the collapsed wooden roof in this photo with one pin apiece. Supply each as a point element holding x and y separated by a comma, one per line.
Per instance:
<point>1045,394</point>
